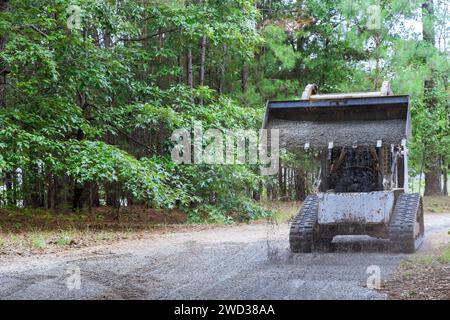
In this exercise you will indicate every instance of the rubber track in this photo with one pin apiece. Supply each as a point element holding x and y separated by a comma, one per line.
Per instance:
<point>301,235</point>
<point>401,227</point>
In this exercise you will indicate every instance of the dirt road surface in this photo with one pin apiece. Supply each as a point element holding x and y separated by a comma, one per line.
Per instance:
<point>237,262</point>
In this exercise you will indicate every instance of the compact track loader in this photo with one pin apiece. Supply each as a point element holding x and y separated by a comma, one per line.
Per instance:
<point>361,141</point>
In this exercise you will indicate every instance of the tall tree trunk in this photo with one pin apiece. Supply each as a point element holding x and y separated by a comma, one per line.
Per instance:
<point>107,39</point>
<point>221,88</point>
<point>95,195</point>
<point>35,187</point>
<point>3,68</point>
<point>445,174</point>
<point>180,65</point>
<point>77,194</point>
<point>112,195</point>
<point>433,177</point>
<point>432,165</point>
<point>244,77</point>
<point>300,185</point>
<point>221,78</point>
<point>428,22</point>
<point>201,75</point>
<point>78,189</point>
<point>3,72</point>
<point>50,191</point>
<point>280,181</point>
<point>9,188</point>
<point>189,71</point>
<point>61,187</point>
<point>258,192</point>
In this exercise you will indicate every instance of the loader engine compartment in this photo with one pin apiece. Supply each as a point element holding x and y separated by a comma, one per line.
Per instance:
<point>361,169</point>
<point>353,170</point>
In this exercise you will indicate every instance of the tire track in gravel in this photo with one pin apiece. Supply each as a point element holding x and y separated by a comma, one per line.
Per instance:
<point>241,262</point>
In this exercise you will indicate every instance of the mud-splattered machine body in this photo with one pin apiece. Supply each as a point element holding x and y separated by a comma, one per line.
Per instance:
<point>360,140</point>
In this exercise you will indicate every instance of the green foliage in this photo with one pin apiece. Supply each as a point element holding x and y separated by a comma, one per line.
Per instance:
<point>71,88</point>
<point>95,107</point>
<point>413,63</point>
<point>38,240</point>
<point>65,237</point>
<point>445,255</point>
<point>281,55</point>
<point>227,210</point>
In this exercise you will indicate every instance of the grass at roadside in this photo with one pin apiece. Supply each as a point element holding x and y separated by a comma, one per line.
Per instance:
<point>445,256</point>
<point>436,204</point>
<point>421,277</point>
<point>27,232</point>
<point>283,211</point>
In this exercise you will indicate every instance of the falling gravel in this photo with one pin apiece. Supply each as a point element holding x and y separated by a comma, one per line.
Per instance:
<point>294,134</point>
<point>238,262</point>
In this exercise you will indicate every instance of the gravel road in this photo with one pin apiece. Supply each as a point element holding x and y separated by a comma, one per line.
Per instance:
<point>237,262</point>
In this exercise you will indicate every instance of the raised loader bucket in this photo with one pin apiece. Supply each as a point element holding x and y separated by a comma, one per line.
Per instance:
<point>316,121</point>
